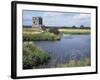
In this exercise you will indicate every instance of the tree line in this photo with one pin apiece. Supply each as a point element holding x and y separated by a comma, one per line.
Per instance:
<point>68,27</point>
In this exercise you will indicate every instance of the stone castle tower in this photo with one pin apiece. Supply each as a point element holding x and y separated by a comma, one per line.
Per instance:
<point>37,22</point>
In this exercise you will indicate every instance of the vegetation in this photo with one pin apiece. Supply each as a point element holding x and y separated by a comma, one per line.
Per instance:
<point>43,28</point>
<point>75,63</point>
<point>44,36</point>
<point>39,35</point>
<point>33,56</point>
<point>62,27</point>
<point>31,30</point>
<point>67,27</point>
<point>73,26</point>
<point>51,34</point>
<point>81,26</point>
<point>54,30</point>
<point>75,31</point>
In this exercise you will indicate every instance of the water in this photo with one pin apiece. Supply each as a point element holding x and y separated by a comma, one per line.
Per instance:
<point>72,47</point>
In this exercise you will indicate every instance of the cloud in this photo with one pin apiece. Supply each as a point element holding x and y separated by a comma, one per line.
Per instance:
<point>52,14</point>
<point>81,19</point>
<point>57,18</point>
<point>82,16</point>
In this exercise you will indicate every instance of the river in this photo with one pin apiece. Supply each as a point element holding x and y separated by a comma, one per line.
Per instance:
<point>70,47</point>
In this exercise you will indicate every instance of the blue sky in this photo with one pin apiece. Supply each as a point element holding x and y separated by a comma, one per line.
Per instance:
<point>57,18</point>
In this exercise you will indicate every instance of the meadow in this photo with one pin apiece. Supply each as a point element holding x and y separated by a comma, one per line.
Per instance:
<point>75,31</point>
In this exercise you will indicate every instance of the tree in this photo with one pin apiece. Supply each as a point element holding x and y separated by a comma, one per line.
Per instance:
<point>73,26</point>
<point>81,26</point>
<point>54,30</point>
<point>43,28</point>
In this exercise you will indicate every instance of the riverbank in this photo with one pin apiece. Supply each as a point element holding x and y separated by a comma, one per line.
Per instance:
<point>31,34</point>
<point>76,63</point>
<point>33,56</point>
<point>42,36</point>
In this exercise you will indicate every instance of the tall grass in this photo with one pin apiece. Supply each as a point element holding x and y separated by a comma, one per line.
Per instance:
<point>77,63</point>
<point>33,56</point>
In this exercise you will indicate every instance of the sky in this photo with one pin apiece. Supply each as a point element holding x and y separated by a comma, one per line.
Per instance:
<point>57,18</point>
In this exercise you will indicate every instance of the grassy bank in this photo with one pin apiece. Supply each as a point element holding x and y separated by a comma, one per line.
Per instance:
<point>75,31</point>
<point>31,30</point>
<point>33,56</point>
<point>42,36</point>
<point>75,63</point>
<point>31,34</point>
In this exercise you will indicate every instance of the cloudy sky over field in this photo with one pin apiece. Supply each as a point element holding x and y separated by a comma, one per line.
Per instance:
<point>57,18</point>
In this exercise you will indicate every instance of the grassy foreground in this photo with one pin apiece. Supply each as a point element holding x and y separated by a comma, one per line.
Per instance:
<point>33,56</point>
<point>75,63</point>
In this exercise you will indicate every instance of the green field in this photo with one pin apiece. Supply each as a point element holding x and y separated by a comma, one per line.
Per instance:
<point>75,31</point>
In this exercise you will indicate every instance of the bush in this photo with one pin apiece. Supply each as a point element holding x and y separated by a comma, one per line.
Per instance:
<point>33,56</point>
<point>54,30</point>
<point>74,27</point>
<point>81,26</point>
<point>43,28</point>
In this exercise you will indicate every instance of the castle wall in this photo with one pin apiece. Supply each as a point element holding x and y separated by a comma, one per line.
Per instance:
<point>36,22</point>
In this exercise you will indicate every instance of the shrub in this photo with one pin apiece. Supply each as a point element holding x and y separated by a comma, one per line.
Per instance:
<point>74,27</point>
<point>81,26</point>
<point>33,56</point>
<point>43,28</point>
<point>54,30</point>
